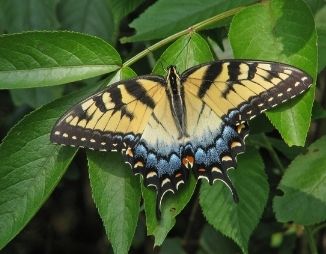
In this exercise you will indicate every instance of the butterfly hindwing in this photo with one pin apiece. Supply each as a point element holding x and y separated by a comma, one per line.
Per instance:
<point>209,149</point>
<point>157,154</point>
<point>213,144</point>
<point>111,119</point>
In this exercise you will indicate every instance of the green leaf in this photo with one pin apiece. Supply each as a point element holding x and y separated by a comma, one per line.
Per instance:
<point>318,112</point>
<point>18,16</point>
<point>220,45</point>
<point>116,191</point>
<point>122,74</point>
<point>172,245</point>
<point>281,31</point>
<point>260,124</point>
<point>1,20</point>
<point>185,52</point>
<point>173,16</point>
<point>92,17</point>
<point>123,7</point>
<point>263,141</point>
<point>320,20</point>
<point>237,221</point>
<point>288,152</point>
<point>36,59</point>
<point>210,238</point>
<point>315,5</point>
<point>172,205</point>
<point>304,188</point>
<point>31,166</point>
<point>36,97</point>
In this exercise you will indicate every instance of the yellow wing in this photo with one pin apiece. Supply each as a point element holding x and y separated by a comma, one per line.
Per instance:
<point>238,90</point>
<point>156,155</point>
<point>213,144</point>
<point>165,159</point>
<point>111,119</point>
<point>220,97</point>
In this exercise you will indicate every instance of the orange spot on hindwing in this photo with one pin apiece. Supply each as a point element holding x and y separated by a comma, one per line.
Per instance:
<point>188,161</point>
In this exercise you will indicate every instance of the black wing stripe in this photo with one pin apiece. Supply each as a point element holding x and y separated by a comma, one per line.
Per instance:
<point>116,98</point>
<point>135,89</point>
<point>252,70</point>
<point>99,103</point>
<point>233,71</point>
<point>208,95</point>
<point>211,74</point>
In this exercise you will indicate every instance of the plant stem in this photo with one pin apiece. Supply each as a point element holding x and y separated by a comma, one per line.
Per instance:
<point>273,154</point>
<point>194,28</point>
<point>187,235</point>
<point>318,227</point>
<point>311,240</point>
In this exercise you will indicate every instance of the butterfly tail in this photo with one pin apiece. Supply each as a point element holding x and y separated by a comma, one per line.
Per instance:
<point>166,186</point>
<point>158,207</point>
<point>227,181</point>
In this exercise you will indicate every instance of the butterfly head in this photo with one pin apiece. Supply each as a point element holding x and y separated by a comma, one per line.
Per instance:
<point>173,75</point>
<point>171,67</point>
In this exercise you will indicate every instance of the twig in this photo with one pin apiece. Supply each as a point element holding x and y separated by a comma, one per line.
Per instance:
<point>311,240</point>
<point>187,235</point>
<point>197,27</point>
<point>273,153</point>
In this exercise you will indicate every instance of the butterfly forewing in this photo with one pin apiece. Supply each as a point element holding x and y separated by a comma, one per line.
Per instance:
<point>239,90</point>
<point>112,118</point>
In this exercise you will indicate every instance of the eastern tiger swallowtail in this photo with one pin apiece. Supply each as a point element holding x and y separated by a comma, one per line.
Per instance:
<point>196,121</point>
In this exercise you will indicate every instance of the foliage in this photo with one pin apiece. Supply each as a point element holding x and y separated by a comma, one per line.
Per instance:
<point>79,48</point>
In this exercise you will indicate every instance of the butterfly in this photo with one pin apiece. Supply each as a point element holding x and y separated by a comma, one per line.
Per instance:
<point>167,127</point>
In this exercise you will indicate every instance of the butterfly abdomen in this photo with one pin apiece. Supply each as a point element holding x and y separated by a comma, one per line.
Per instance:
<point>175,93</point>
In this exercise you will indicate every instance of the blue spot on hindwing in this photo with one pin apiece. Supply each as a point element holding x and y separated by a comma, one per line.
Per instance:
<point>151,161</point>
<point>162,167</point>
<point>232,115</point>
<point>229,134</point>
<point>141,151</point>
<point>168,167</point>
<point>212,156</point>
<point>221,147</point>
<point>175,163</point>
<point>200,157</point>
<point>129,138</point>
